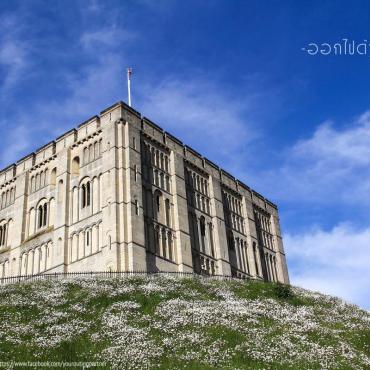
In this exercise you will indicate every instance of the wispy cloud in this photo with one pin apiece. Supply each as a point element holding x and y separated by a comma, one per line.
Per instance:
<point>331,158</point>
<point>336,261</point>
<point>106,37</point>
<point>14,51</point>
<point>202,115</point>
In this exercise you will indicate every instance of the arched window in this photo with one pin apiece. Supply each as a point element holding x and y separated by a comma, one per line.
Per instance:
<point>202,223</point>
<point>170,245</point>
<point>42,215</point>
<point>32,184</point>
<point>3,235</point>
<point>86,155</point>
<point>88,238</point>
<point>88,194</point>
<point>37,187</point>
<point>157,205</point>
<point>53,177</point>
<point>76,166</point>
<point>44,221</point>
<point>210,228</point>
<point>168,184</point>
<point>83,196</point>
<point>255,258</point>
<point>91,153</point>
<point>168,213</point>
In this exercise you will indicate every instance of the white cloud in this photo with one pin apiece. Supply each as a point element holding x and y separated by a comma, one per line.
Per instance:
<point>202,115</point>
<point>106,37</point>
<point>330,167</point>
<point>336,261</point>
<point>14,51</point>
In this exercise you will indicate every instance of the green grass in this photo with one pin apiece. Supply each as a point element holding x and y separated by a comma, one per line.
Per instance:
<point>236,334</point>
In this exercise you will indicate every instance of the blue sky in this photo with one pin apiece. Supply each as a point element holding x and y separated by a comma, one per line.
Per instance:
<point>230,79</point>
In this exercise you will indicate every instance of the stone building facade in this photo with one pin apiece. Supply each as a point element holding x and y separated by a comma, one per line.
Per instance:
<point>120,194</point>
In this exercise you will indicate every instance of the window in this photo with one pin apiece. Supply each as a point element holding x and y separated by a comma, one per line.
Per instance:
<point>211,239</point>
<point>255,258</point>
<point>85,195</point>
<point>203,232</point>
<point>2,235</point>
<point>168,183</point>
<point>42,215</point>
<point>53,176</point>
<point>76,166</point>
<point>88,238</point>
<point>168,213</point>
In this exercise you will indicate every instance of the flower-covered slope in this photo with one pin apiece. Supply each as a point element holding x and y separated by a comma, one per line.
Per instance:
<point>181,323</point>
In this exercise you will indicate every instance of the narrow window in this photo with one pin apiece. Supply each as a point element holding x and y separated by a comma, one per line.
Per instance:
<point>40,216</point>
<point>83,196</point>
<point>168,213</point>
<point>88,194</point>
<point>168,183</point>
<point>255,258</point>
<point>45,215</point>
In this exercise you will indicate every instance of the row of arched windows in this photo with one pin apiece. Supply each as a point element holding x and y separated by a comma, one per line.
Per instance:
<point>232,203</point>
<point>263,224</point>
<point>161,209</point>
<point>271,268</point>
<point>86,198</point>
<point>155,157</point>
<point>92,151</point>
<point>161,180</point>
<point>42,179</point>
<point>263,221</point>
<point>241,251</point>
<point>207,266</point>
<point>85,242</point>
<point>7,198</point>
<point>202,203</point>
<point>201,233</point>
<point>197,182</point>
<point>267,240</point>
<point>41,216</point>
<point>36,260</point>
<point>164,245</point>
<point>237,223</point>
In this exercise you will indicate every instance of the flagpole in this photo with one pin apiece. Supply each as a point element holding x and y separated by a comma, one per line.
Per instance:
<point>129,73</point>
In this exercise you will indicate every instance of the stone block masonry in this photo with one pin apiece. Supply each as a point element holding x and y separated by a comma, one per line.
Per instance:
<point>118,193</point>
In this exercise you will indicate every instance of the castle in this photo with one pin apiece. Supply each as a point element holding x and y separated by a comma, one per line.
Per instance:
<point>120,194</point>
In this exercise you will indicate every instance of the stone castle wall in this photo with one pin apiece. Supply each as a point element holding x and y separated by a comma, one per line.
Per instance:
<point>119,193</point>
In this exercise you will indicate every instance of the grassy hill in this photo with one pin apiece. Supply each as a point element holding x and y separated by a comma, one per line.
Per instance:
<point>181,323</point>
